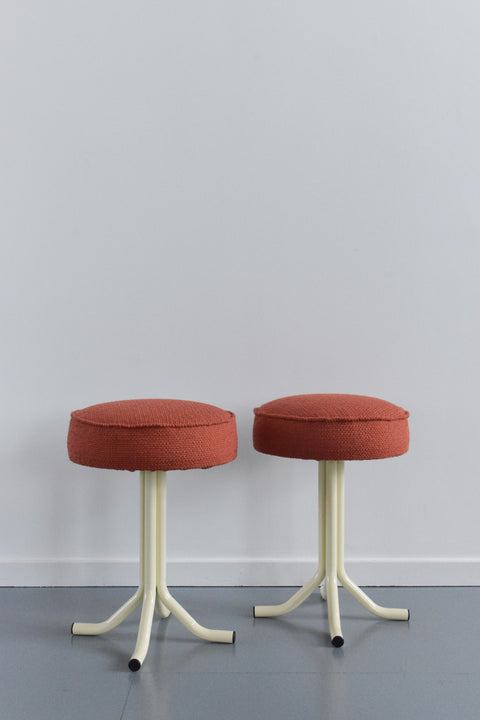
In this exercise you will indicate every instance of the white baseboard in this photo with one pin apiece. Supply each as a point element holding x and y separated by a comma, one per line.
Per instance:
<point>370,571</point>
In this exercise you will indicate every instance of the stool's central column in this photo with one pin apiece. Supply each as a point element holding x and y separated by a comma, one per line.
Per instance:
<point>153,590</point>
<point>154,571</point>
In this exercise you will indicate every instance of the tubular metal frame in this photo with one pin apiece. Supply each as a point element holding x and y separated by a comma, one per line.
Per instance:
<point>153,590</point>
<point>331,567</point>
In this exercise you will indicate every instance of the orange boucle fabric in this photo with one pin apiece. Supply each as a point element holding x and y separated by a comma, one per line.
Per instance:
<point>331,427</point>
<point>152,435</point>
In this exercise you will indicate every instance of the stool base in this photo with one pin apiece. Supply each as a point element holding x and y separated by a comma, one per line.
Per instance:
<point>331,569</point>
<point>153,591</point>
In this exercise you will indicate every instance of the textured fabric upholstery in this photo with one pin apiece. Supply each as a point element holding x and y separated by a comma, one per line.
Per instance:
<point>152,435</point>
<point>331,427</point>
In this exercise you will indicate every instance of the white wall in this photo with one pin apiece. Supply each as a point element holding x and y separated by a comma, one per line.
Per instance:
<point>230,202</point>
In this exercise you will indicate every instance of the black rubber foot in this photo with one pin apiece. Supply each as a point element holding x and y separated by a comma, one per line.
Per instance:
<point>408,618</point>
<point>234,637</point>
<point>71,629</point>
<point>337,641</point>
<point>253,610</point>
<point>134,665</point>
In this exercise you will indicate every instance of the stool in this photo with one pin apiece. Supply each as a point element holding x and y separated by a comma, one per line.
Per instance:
<point>152,436</point>
<point>331,429</point>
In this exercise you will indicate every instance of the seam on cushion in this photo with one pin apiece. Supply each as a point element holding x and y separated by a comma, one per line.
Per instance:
<point>296,418</point>
<point>94,423</point>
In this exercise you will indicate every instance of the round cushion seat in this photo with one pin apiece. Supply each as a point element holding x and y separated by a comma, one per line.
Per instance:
<point>155,434</point>
<point>331,427</point>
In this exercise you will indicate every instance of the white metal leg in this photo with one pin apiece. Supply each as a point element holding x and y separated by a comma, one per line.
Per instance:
<point>165,598</point>
<point>161,480</point>
<point>149,571</point>
<point>309,587</point>
<point>331,568</point>
<point>331,552</point>
<point>84,628</point>
<point>153,590</point>
<point>353,589</point>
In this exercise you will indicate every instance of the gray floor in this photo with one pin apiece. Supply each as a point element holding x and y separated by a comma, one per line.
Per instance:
<point>278,668</point>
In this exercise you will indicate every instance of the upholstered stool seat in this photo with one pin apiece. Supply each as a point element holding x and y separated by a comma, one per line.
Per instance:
<point>152,436</point>
<point>331,428</point>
